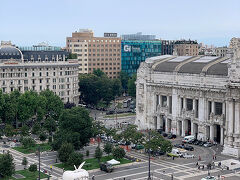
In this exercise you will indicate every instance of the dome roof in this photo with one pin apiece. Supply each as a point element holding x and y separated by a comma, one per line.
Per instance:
<point>10,52</point>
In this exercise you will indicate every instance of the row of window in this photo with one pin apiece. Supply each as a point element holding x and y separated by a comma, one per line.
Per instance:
<point>101,40</point>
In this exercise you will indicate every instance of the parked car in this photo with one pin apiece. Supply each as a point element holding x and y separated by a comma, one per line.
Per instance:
<point>139,146</point>
<point>160,130</point>
<point>208,144</point>
<point>209,178</point>
<point>164,134</point>
<point>186,155</point>
<point>179,146</point>
<point>192,141</point>
<point>189,148</point>
<point>106,167</point>
<point>202,143</point>
<point>171,136</point>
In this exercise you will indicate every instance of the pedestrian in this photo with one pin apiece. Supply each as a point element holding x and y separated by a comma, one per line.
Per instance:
<point>93,177</point>
<point>202,167</point>
<point>199,158</point>
<point>215,157</point>
<point>198,167</point>
<point>197,163</point>
<point>173,157</point>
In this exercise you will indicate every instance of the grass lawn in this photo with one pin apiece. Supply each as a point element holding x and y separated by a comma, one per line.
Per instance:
<point>91,163</point>
<point>44,147</point>
<point>120,115</point>
<point>28,175</point>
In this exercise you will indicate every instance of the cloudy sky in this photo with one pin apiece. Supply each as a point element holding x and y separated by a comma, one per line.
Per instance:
<point>28,22</point>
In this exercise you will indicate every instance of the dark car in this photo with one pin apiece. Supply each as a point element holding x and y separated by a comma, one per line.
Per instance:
<point>196,142</point>
<point>160,131</point>
<point>202,143</point>
<point>179,146</point>
<point>192,141</point>
<point>110,112</point>
<point>106,167</point>
<point>189,148</point>
<point>172,136</point>
<point>164,134</point>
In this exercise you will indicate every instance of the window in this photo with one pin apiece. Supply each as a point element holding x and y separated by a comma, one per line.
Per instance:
<point>189,104</point>
<point>218,108</point>
<point>164,101</point>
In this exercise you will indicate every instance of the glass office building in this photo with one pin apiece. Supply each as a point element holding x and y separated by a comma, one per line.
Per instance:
<point>135,51</point>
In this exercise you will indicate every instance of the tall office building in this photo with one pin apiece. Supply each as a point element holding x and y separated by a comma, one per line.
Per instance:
<point>96,52</point>
<point>186,48</point>
<point>167,47</point>
<point>136,51</point>
<point>138,36</point>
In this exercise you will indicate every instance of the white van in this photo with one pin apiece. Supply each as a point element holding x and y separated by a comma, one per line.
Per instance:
<point>186,139</point>
<point>174,153</point>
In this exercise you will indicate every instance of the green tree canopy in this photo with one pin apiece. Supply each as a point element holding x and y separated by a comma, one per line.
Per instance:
<point>7,166</point>
<point>75,159</point>
<point>108,148</point>
<point>98,154</point>
<point>65,151</point>
<point>132,85</point>
<point>75,126</point>
<point>118,153</point>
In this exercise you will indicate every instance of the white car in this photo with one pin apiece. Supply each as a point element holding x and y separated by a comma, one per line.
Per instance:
<point>186,155</point>
<point>209,178</point>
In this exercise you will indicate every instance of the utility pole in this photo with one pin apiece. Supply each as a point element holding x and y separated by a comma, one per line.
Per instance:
<point>39,162</point>
<point>149,165</point>
<point>115,106</point>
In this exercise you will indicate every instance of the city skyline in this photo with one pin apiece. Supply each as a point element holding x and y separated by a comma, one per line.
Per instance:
<point>26,23</point>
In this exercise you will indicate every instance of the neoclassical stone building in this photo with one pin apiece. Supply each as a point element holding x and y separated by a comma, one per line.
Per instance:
<point>197,95</point>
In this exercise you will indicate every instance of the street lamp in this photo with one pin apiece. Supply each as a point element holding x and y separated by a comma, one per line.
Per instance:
<point>39,162</point>
<point>149,165</point>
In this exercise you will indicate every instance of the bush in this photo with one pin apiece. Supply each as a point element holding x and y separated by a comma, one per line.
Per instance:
<point>27,142</point>
<point>75,159</point>
<point>65,151</point>
<point>87,153</point>
<point>50,139</point>
<point>33,168</point>
<point>98,154</point>
<point>118,153</point>
<point>7,166</point>
<point>42,136</point>
<point>108,148</point>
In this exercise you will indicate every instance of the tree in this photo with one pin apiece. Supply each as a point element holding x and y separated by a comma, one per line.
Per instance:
<point>75,159</point>
<point>50,125</point>
<point>25,130</point>
<point>108,148</point>
<point>42,136</point>
<point>24,162</point>
<point>99,73</point>
<point>87,152</point>
<point>132,135</point>
<point>124,80</point>
<point>7,166</point>
<point>36,129</point>
<point>75,126</point>
<point>65,151</point>
<point>132,85</point>
<point>116,87</point>
<point>118,153</point>
<point>33,168</point>
<point>9,130</point>
<point>98,154</point>
<point>27,142</point>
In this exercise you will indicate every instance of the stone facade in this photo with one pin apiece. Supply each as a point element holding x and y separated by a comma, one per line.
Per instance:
<point>60,76</point>
<point>192,95</point>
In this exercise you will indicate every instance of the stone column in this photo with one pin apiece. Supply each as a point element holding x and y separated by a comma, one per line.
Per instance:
<point>213,107</point>
<point>184,103</point>
<point>192,128</point>
<point>160,100</point>
<point>178,128</point>
<point>194,108</point>
<point>158,121</point>
<point>183,128</point>
<point>223,109</point>
<point>212,132</point>
<point>222,136</point>
<point>237,118</point>
<point>166,126</point>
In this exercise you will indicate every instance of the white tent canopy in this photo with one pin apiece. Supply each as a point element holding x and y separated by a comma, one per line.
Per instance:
<point>113,162</point>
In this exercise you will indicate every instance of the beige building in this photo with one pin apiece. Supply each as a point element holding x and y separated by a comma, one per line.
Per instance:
<point>57,75</point>
<point>221,51</point>
<point>186,48</point>
<point>96,52</point>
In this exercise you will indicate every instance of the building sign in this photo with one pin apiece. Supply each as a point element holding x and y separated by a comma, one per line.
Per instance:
<point>127,48</point>
<point>110,34</point>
